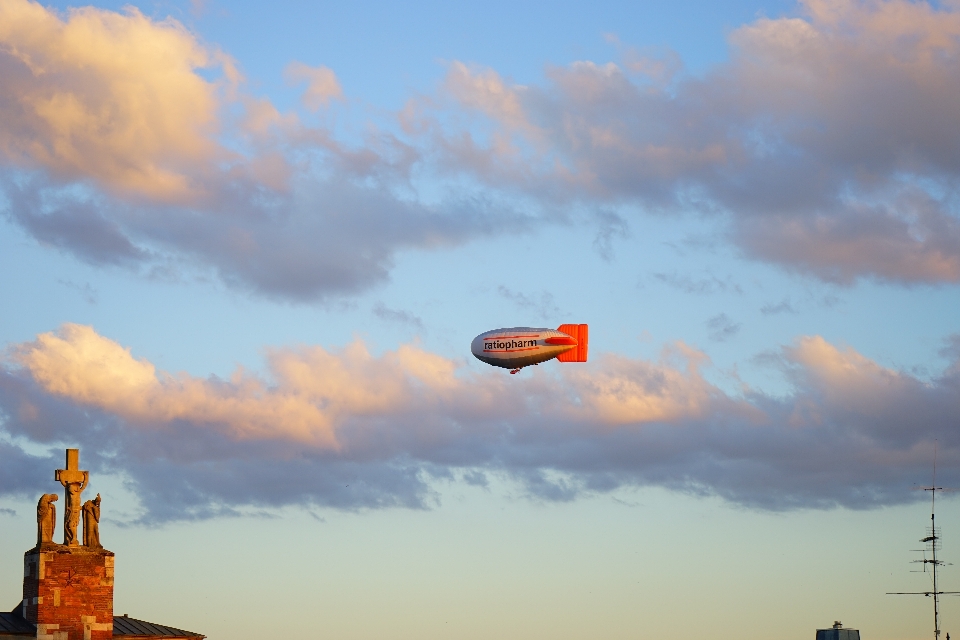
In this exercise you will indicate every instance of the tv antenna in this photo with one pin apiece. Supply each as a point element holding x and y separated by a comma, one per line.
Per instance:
<point>932,540</point>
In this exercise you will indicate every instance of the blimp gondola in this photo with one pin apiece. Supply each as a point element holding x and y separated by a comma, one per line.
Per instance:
<point>518,347</point>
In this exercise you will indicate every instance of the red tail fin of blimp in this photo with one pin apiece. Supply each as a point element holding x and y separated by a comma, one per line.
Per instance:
<point>578,331</point>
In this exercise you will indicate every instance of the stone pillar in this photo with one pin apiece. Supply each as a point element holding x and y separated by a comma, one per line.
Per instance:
<point>68,592</point>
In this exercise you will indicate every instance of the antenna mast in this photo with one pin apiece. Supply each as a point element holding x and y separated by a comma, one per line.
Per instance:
<point>933,545</point>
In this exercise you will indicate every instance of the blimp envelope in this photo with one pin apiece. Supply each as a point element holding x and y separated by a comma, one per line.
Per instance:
<point>518,347</point>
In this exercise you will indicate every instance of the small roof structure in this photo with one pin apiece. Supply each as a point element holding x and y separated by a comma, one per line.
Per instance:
<point>14,627</point>
<point>837,632</point>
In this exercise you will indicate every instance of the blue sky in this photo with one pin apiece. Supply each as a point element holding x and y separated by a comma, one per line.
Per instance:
<point>244,249</point>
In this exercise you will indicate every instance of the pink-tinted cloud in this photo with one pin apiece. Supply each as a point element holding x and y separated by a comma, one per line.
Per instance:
<point>316,394</point>
<point>912,238</point>
<point>486,91</point>
<point>829,139</point>
<point>850,431</point>
<point>322,84</point>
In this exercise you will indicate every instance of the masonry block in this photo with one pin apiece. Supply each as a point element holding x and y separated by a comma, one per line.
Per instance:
<point>68,592</point>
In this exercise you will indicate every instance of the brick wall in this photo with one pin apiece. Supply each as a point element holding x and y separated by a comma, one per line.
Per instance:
<point>68,592</point>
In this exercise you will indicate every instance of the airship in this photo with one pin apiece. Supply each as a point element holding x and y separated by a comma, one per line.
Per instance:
<point>518,347</point>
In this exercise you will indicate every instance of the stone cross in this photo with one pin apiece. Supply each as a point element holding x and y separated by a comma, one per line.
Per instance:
<point>74,481</point>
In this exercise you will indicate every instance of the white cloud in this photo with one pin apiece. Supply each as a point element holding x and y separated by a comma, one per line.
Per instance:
<point>109,96</point>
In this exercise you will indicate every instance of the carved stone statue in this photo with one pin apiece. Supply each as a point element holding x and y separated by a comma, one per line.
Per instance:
<point>91,523</point>
<point>74,481</point>
<point>46,517</point>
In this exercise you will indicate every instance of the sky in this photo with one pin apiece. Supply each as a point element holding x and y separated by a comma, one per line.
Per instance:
<point>244,248</point>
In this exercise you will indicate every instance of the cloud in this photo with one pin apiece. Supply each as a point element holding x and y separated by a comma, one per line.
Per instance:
<point>109,96</point>
<point>126,141</point>
<point>951,350</point>
<point>86,290</point>
<point>917,241</point>
<point>314,387</point>
<point>784,306</point>
<point>82,225</point>
<point>485,91</point>
<point>722,327</point>
<point>322,84</point>
<point>346,429</point>
<point>400,317</point>
<point>325,238</point>
<point>610,226</point>
<point>699,286</point>
<point>829,140</point>
<point>23,474</point>
<point>542,305</point>
<point>827,144</point>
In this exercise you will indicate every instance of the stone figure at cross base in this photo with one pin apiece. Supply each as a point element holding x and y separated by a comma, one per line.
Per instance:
<point>46,517</point>
<point>91,523</point>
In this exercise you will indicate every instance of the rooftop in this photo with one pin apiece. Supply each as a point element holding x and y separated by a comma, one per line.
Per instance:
<point>13,624</point>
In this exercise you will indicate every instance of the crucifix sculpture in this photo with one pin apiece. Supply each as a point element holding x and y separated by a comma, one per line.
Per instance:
<point>74,481</point>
